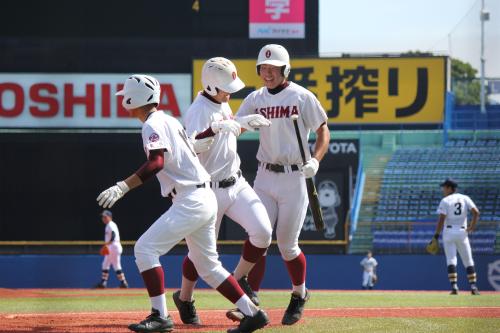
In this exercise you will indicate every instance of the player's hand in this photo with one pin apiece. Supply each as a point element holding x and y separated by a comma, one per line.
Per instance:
<point>433,246</point>
<point>104,251</point>
<point>470,229</point>
<point>226,126</point>
<point>108,197</point>
<point>253,121</point>
<point>310,168</point>
<point>201,145</point>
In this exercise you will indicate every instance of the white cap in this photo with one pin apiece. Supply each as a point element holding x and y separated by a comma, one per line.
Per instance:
<point>220,73</point>
<point>140,90</point>
<point>275,55</point>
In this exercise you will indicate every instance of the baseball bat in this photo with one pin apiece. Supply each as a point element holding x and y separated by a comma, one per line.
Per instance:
<point>316,211</point>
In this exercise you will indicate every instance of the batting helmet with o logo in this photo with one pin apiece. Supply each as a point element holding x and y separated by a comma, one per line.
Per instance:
<point>220,73</point>
<point>275,55</point>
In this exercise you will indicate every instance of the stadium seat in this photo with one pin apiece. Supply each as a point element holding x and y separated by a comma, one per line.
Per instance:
<point>410,193</point>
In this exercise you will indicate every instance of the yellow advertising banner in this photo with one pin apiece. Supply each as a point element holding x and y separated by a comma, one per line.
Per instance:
<point>360,90</point>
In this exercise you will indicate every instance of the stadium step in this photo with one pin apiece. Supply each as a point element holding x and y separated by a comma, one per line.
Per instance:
<point>375,163</point>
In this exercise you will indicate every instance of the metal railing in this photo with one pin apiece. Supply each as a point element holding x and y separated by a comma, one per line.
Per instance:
<point>358,193</point>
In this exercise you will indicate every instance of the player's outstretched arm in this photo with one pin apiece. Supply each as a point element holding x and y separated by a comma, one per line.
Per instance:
<point>226,126</point>
<point>108,197</point>
<point>475,218</point>
<point>252,122</point>
<point>155,163</point>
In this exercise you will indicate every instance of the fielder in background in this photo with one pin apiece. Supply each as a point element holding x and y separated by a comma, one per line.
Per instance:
<point>112,251</point>
<point>210,115</point>
<point>280,181</point>
<point>453,210</point>
<point>171,157</point>
<point>369,264</point>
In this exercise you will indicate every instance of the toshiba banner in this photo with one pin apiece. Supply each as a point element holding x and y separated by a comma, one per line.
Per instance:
<point>80,100</point>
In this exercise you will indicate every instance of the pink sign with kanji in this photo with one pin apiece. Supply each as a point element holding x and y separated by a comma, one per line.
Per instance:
<point>277,18</point>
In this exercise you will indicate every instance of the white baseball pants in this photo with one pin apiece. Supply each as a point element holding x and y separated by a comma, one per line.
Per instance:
<point>367,279</point>
<point>241,204</point>
<point>456,239</point>
<point>191,217</point>
<point>285,197</point>
<point>113,258</point>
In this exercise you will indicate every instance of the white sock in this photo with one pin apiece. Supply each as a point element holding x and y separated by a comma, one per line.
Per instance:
<point>246,306</point>
<point>160,303</point>
<point>301,290</point>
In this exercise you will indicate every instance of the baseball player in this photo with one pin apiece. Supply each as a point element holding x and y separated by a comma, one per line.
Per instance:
<point>369,265</point>
<point>235,197</point>
<point>280,181</point>
<point>171,156</point>
<point>452,211</point>
<point>114,249</point>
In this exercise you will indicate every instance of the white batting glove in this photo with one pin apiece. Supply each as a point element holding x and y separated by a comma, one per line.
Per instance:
<point>226,126</point>
<point>310,168</point>
<point>253,121</point>
<point>201,145</point>
<point>108,197</point>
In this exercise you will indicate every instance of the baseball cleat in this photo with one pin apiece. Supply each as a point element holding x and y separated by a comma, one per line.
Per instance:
<point>475,291</point>
<point>124,285</point>
<point>100,285</point>
<point>186,309</point>
<point>251,324</point>
<point>153,323</point>
<point>235,315</point>
<point>243,282</point>
<point>295,309</point>
<point>454,292</point>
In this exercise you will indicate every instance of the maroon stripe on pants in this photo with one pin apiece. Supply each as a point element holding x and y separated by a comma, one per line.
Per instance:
<point>154,281</point>
<point>188,270</point>
<point>297,269</point>
<point>256,275</point>
<point>252,253</point>
<point>230,289</point>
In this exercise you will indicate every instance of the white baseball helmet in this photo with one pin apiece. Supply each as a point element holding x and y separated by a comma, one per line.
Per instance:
<point>140,90</point>
<point>276,55</point>
<point>220,73</point>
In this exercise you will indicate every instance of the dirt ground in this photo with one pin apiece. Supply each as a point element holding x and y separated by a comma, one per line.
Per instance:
<point>104,322</point>
<point>213,320</point>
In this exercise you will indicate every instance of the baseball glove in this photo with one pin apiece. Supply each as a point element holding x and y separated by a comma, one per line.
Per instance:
<point>433,246</point>
<point>104,251</point>
<point>374,278</point>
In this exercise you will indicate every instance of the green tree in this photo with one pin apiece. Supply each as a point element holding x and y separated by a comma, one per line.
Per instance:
<point>464,83</point>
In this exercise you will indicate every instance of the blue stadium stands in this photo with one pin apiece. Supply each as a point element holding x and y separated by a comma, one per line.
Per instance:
<point>405,215</point>
<point>469,117</point>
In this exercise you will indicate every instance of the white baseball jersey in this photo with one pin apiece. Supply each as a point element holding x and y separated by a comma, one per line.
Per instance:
<point>181,165</point>
<point>455,206</point>
<point>115,248</point>
<point>221,161</point>
<point>278,142</point>
<point>369,264</point>
<point>108,231</point>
